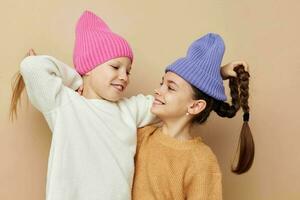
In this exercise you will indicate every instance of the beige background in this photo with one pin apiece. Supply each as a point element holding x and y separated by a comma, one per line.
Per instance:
<point>264,33</point>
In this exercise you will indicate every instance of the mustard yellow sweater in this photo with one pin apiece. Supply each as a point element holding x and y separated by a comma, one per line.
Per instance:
<point>171,169</point>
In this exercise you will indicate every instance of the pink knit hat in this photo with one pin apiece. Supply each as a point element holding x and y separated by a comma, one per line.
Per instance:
<point>95,43</point>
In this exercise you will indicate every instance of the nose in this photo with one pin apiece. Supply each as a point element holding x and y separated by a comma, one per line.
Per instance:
<point>156,91</point>
<point>123,76</point>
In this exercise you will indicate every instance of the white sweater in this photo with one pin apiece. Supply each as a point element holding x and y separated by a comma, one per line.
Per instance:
<point>93,141</point>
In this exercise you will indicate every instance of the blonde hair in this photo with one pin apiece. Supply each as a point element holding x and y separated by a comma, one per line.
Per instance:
<point>17,89</point>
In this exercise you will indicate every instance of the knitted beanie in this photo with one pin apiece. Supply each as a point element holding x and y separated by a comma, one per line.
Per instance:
<point>95,43</point>
<point>201,66</point>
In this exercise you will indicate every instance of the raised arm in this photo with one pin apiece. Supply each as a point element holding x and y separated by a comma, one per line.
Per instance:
<point>45,78</point>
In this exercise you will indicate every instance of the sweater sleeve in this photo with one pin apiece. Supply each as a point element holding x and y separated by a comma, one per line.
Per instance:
<point>139,107</point>
<point>208,186</point>
<point>205,180</point>
<point>45,79</point>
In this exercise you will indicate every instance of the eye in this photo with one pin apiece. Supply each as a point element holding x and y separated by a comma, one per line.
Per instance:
<point>161,84</point>
<point>171,88</point>
<point>128,73</point>
<point>115,67</point>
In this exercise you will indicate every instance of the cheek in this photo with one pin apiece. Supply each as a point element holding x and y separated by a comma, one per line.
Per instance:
<point>104,77</point>
<point>172,99</point>
<point>175,103</point>
<point>182,101</point>
<point>97,82</point>
<point>99,85</point>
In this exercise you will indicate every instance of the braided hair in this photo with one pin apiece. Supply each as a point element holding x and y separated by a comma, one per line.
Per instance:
<point>239,91</point>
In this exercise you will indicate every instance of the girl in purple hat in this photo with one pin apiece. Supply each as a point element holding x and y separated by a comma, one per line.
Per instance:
<point>171,163</point>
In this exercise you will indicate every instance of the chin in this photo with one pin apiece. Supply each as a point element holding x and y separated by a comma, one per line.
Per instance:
<point>156,111</point>
<point>165,114</point>
<point>112,97</point>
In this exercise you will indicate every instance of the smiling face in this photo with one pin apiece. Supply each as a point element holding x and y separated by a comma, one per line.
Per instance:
<point>108,80</point>
<point>175,98</point>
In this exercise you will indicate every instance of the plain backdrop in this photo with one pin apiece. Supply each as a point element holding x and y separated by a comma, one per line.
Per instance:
<point>264,33</point>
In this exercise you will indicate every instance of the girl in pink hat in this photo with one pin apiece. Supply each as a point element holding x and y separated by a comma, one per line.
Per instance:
<point>93,127</point>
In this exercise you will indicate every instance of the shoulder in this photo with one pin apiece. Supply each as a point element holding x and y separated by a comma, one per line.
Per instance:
<point>147,129</point>
<point>135,100</point>
<point>145,132</point>
<point>138,107</point>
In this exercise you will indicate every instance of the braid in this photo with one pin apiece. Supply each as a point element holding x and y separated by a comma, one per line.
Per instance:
<point>239,91</point>
<point>239,87</point>
<point>243,79</point>
<point>246,143</point>
<point>222,108</point>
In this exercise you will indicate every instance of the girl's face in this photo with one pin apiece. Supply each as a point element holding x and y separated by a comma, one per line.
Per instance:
<point>110,79</point>
<point>174,99</point>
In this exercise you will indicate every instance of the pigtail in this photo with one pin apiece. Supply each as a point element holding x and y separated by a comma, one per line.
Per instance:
<point>246,143</point>
<point>239,88</point>
<point>224,109</point>
<point>17,88</point>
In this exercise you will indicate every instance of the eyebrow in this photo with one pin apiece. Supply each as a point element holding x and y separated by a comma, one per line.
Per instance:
<point>115,62</point>
<point>118,62</point>
<point>170,81</point>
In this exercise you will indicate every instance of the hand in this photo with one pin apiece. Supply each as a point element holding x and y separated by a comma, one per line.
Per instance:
<point>80,90</point>
<point>30,53</point>
<point>228,69</point>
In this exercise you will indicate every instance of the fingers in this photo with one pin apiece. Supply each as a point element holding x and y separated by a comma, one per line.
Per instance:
<point>30,52</point>
<point>232,74</point>
<point>243,63</point>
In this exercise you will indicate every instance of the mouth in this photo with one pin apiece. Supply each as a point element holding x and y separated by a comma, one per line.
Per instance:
<point>118,87</point>
<point>158,102</point>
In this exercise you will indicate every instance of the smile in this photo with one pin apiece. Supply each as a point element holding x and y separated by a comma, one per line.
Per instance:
<point>158,102</point>
<point>119,87</point>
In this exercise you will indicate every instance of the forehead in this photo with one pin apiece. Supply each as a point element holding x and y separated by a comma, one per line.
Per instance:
<point>121,60</point>
<point>171,76</point>
<point>182,84</point>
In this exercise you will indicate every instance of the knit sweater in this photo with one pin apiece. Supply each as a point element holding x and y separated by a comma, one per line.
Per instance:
<point>171,169</point>
<point>93,141</point>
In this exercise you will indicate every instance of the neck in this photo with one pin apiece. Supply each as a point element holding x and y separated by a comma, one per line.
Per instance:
<point>179,129</point>
<point>90,95</point>
<point>88,92</point>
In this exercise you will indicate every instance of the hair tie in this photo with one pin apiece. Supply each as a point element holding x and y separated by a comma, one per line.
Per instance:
<point>246,117</point>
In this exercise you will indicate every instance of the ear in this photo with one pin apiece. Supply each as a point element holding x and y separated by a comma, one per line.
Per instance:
<point>196,107</point>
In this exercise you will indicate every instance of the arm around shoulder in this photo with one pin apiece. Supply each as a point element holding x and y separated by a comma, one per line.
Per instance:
<point>140,108</point>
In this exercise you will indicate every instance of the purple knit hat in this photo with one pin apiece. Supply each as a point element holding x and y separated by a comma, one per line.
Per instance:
<point>201,66</point>
<point>95,43</point>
